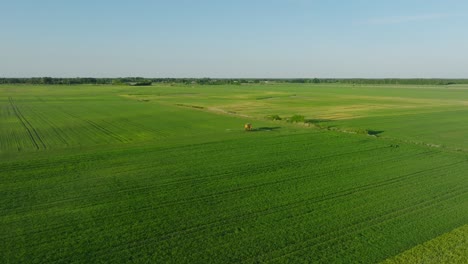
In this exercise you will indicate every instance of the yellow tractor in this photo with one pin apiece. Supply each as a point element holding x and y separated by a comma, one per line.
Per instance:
<point>248,127</point>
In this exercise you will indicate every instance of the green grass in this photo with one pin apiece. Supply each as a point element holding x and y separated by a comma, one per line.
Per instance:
<point>435,115</point>
<point>167,174</point>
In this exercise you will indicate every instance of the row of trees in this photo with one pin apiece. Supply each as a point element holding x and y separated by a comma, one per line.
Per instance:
<point>418,81</point>
<point>208,81</point>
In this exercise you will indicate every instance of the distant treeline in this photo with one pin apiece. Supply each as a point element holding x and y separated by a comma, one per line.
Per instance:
<point>140,81</point>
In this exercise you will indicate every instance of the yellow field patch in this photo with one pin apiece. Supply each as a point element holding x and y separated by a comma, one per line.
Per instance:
<point>451,247</point>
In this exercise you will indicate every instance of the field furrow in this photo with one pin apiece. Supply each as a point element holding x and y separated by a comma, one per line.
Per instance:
<point>33,135</point>
<point>167,174</point>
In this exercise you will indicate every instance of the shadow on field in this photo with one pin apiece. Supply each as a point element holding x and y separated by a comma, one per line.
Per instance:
<point>374,132</point>
<point>259,129</point>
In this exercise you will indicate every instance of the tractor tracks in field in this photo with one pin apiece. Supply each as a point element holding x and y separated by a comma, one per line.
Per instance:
<point>169,155</point>
<point>220,175</point>
<point>367,223</point>
<point>266,166</point>
<point>211,195</point>
<point>270,210</point>
<point>271,169</point>
<point>31,131</point>
<point>330,196</point>
<point>234,219</point>
<point>355,228</point>
<point>8,167</point>
<point>281,181</point>
<point>55,128</point>
<point>97,127</point>
<point>259,168</point>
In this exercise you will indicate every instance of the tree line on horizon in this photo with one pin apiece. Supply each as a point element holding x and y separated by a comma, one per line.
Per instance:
<point>141,81</point>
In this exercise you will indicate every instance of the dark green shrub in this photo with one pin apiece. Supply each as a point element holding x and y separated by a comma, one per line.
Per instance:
<point>297,119</point>
<point>274,117</point>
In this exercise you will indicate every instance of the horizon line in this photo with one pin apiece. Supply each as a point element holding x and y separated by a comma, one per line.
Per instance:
<point>244,78</point>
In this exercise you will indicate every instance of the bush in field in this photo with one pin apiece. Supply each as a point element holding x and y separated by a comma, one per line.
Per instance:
<point>297,119</point>
<point>274,117</point>
<point>370,132</point>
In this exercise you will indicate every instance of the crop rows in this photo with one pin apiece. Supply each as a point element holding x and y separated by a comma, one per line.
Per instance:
<point>31,131</point>
<point>241,178</point>
<point>48,124</point>
<point>89,175</point>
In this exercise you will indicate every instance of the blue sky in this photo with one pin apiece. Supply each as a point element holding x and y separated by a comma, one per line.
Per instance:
<point>255,38</point>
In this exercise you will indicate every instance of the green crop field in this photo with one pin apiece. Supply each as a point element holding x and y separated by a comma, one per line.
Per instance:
<point>167,174</point>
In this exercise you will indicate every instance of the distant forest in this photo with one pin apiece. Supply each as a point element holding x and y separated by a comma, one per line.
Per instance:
<point>140,81</point>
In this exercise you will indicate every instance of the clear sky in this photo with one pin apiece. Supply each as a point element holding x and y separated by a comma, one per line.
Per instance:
<point>234,38</point>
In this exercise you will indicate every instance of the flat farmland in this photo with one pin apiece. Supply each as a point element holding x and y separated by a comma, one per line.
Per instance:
<point>167,174</point>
